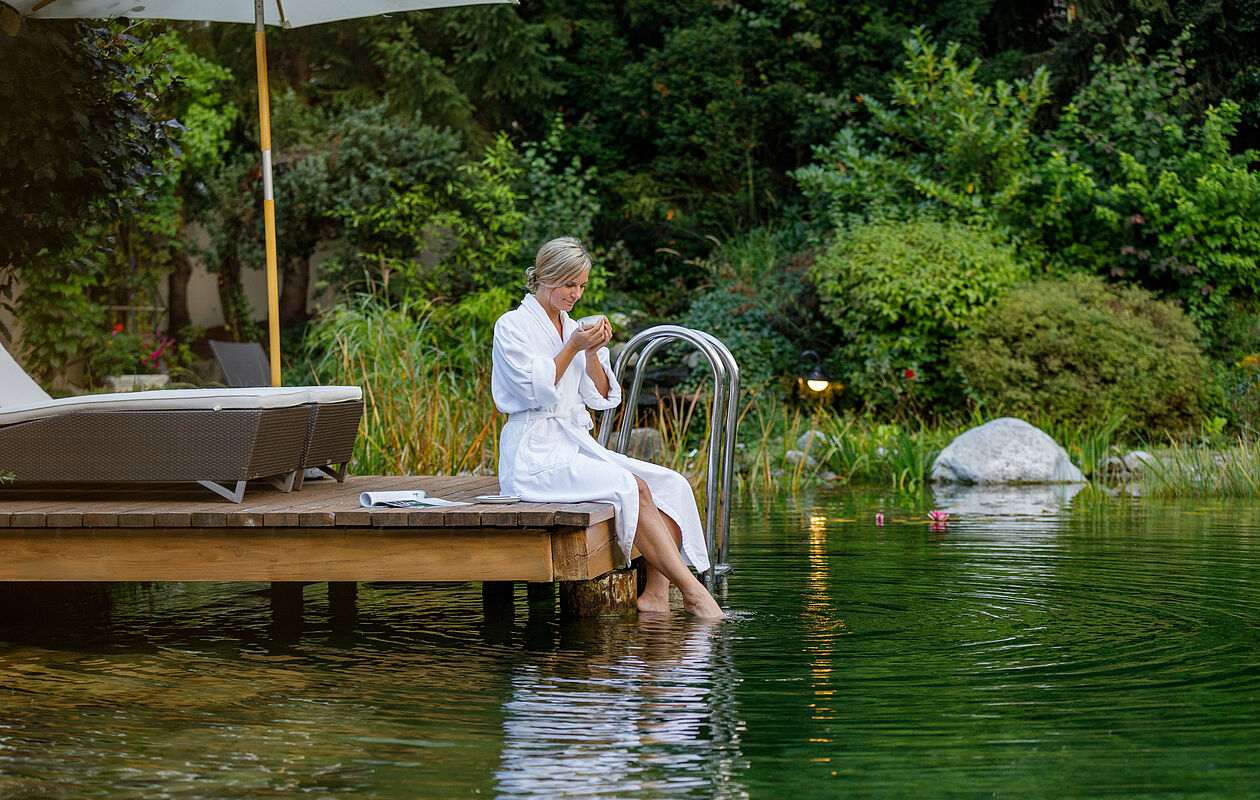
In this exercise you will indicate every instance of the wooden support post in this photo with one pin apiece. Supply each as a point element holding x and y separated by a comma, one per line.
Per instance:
<point>286,603</point>
<point>496,598</point>
<point>539,592</point>
<point>343,602</point>
<point>614,593</point>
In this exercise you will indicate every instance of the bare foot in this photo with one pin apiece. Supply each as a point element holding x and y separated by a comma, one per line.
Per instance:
<point>704,607</point>
<point>652,604</point>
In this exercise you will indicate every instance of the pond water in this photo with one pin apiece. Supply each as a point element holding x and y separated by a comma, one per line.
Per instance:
<point>1106,649</point>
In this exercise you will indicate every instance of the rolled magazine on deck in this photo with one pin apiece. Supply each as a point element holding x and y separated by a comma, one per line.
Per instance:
<point>412,498</point>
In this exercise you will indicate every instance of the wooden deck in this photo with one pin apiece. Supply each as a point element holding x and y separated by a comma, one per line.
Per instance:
<point>184,533</point>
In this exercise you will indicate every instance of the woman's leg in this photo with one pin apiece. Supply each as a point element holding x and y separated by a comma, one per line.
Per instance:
<point>655,595</point>
<point>658,540</point>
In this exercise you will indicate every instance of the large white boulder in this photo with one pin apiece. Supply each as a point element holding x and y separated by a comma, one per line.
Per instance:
<point>1005,451</point>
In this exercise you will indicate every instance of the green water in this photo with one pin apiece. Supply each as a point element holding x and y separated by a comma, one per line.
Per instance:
<point>1106,650</point>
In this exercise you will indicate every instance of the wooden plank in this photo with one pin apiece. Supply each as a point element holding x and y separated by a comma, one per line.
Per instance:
<point>100,519</point>
<point>64,519</point>
<point>390,517</point>
<point>27,519</point>
<point>139,519</point>
<point>426,517</point>
<point>319,509</point>
<point>464,516</point>
<point>272,554</point>
<point>539,514</point>
<point>249,514</point>
<point>583,514</point>
<point>172,519</point>
<point>200,519</point>
<point>498,516</point>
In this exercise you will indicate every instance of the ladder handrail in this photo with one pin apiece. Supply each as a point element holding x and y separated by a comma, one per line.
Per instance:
<point>732,424</point>
<point>722,424</point>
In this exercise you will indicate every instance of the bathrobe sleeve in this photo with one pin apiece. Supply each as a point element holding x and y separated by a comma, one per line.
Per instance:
<point>523,377</point>
<point>590,395</point>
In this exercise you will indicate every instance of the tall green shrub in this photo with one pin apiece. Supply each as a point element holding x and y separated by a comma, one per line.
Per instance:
<point>1078,348</point>
<point>1133,187</point>
<point>944,142</point>
<point>900,293</point>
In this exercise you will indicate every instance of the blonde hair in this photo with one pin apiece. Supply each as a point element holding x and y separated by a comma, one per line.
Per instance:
<point>556,262</point>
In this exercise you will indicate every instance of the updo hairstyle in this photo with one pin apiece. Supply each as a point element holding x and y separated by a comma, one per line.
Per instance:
<point>557,261</point>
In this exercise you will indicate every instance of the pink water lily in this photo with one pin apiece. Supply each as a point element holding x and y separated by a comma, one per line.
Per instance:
<point>879,519</point>
<point>938,516</point>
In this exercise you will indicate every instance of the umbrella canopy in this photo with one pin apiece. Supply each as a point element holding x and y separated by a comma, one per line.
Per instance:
<point>287,13</point>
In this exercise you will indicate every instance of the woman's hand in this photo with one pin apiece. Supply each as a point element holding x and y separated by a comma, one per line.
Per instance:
<point>592,338</point>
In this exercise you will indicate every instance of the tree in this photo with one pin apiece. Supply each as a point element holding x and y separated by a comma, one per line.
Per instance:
<point>80,134</point>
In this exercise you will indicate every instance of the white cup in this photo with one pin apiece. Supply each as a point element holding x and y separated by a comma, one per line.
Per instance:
<point>589,322</point>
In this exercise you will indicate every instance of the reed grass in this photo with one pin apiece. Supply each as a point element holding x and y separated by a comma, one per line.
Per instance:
<point>1198,470</point>
<point>896,455</point>
<point>427,406</point>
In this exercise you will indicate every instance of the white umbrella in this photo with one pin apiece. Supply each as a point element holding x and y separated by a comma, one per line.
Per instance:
<point>289,14</point>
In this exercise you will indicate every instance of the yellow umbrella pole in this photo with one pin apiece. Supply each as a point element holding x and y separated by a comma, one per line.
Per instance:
<point>269,203</point>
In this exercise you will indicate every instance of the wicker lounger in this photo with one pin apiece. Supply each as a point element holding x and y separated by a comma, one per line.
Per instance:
<point>209,436</point>
<point>334,423</point>
<point>230,446</point>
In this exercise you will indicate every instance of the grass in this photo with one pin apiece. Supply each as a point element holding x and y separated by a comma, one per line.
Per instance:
<point>427,406</point>
<point>1202,470</point>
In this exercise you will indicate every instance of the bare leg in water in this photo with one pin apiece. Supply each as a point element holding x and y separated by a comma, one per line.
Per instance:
<point>658,539</point>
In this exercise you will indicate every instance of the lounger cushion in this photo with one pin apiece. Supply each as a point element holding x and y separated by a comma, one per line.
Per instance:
<point>334,394</point>
<point>16,387</point>
<point>181,400</point>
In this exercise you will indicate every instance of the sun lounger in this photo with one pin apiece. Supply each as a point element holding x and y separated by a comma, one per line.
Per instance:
<point>211,436</point>
<point>334,424</point>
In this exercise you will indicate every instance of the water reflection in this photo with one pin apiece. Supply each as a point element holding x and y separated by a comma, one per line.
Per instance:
<point>1035,500</point>
<point>642,709</point>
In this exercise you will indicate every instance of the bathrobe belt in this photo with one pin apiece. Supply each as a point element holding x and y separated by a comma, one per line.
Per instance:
<point>578,415</point>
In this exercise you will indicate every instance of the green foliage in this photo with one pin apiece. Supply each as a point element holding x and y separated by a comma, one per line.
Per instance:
<point>60,319</point>
<point>753,305</point>
<point>1240,383</point>
<point>899,293</point>
<point>560,199</point>
<point>899,455</point>
<point>944,143</point>
<point>746,327</point>
<point>695,114</point>
<point>1132,188</point>
<point>80,133</point>
<point>439,241</point>
<point>1078,349</point>
<point>146,353</point>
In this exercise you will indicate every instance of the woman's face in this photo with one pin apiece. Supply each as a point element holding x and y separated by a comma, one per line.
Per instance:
<point>564,296</point>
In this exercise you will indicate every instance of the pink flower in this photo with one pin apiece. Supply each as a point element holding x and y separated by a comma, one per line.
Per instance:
<point>938,516</point>
<point>879,519</point>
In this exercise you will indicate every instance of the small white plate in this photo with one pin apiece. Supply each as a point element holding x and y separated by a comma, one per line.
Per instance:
<point>498,498</point>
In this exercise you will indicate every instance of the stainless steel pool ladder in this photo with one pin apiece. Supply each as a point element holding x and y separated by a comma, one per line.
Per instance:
<point>723,421</point>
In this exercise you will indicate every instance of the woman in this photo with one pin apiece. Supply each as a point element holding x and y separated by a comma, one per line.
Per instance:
<point>547,371</point>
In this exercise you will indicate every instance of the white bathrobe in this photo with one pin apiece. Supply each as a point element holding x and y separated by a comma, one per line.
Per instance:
<point>546,451</point>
